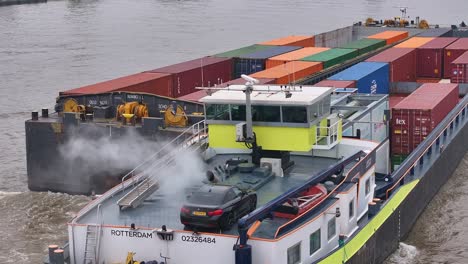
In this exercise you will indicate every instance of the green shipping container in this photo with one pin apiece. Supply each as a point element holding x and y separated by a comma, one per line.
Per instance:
<point>365,45</point>
<point>332,56</point>
<point>242,51</point>
<point>397,160</point>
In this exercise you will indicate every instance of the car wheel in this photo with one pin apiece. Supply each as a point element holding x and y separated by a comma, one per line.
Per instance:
<point>228,221</point>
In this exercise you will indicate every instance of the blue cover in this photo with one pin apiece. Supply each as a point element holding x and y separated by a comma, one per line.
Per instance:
<point>370,77</point>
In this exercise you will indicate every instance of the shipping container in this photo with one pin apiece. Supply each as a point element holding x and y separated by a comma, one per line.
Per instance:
<point>301,41</point>
<point>419,113</point>
<point>196,96</point>
<point>428,80</point>
<point>365,45</point>
<point>390,36</point>
<point>453,51</point>
<point>293,56</point>
<point>290,72</point>
<point>460,69</point>
<point>370,77</point>
<point>242,51</point>
<point>414,42</point>
<point>402,63</point>
<point>207,71</point>
<point>332,56</point>
<point>336,84</point>
<point>254,62</point>
<point>430,57</point>
<point>153,83</point>
<point>397,160</point>
<point>394,99</point>
<point>436,32</point>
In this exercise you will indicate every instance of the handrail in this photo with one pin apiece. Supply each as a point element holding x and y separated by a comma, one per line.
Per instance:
<point>98,233</point>
<point>427,143</point>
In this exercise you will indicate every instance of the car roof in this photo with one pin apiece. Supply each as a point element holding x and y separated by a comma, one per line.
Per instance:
<point>221,189</point>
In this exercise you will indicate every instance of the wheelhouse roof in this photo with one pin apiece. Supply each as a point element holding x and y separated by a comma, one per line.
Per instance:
<point>269,95</point>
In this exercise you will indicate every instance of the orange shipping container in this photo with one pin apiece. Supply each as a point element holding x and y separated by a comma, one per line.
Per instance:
<point>414,42</point>
<point>301,41</point>
<point>290,72</point>
<point>293,56</point>
<point>390,36</point>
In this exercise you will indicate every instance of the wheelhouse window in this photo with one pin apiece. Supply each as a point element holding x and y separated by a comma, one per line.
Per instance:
<point>351,209</point>
<point>238,112</point>
<point>331,228</point>
<point>217,112</point>
<point>314,242</point>
<point>294,254</point>
<point>294,114</point>
<point>367,186</point>
<point>266,113</point>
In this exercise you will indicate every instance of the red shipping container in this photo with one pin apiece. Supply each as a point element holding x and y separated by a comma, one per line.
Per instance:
<point>430,57</point>
<point>402,63</point>
<point>394,99</point>
<point>453,51</point>
<point>419,113</point>
<point>153,83</point>
<point>203,72</point>
<point>336,84</point>
<point>196,96</point>
<point>459,69</point>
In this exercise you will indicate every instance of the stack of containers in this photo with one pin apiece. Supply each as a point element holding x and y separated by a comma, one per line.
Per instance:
<point>365,45</point>
<point>436,32</point>
<point>453,51</point>
<point>336,84</point>
<point>402,63</point>
<point>414,43</point>
<point>301,41</point>
<point>389,36</point>
<point>293,56</point>
<point>370,77</point>
<point>290,72</point>
<point>236,53</point>
<point>152,83</point>
<point>418,114</point>
<point>332,57</point>
<point>460,69</point>
<point>430,58</point>
<point>203,72</point>
<point>196,96</point>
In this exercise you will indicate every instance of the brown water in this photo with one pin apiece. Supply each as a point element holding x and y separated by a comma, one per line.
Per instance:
<point>46,48</point>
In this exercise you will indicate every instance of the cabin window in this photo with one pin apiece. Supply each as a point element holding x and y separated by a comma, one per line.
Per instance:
<point>314,242</point>
<point>294,114</point>
<point>331,228</point>
<point>351,209</point>
<point>238,112</point>
<point>266,113</point>
<point>217,112</point>
<point>294,254</point>
<point>367,186</point>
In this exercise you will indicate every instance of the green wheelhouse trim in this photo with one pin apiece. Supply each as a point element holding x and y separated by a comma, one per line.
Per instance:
<point>351,247</point>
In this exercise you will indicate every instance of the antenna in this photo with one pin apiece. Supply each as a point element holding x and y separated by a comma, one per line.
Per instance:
<point>403,10</point>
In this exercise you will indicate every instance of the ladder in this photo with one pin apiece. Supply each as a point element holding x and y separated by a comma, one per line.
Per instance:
<point>90,254</point>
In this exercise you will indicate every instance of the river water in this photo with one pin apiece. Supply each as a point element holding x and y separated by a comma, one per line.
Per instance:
<point>46,48</point>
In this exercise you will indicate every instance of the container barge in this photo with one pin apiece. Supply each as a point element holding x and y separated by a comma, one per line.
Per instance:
<point>311,169</point>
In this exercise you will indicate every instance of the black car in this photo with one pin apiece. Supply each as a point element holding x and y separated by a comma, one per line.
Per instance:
<point>217,206</point>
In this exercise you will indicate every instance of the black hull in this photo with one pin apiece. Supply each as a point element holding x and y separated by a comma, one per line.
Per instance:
<point>396,228</point>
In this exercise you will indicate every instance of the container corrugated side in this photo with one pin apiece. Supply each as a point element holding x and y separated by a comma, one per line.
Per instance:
<point>336,84</point>
<point>290,72</point>
<point>453,51</point>
<point>414,42</point>
<point>254,62</point>
<point>365,45</point>
<point>370,77</point>
<point>402,63</point>
<point>460,69</point>
<point>430,57</point>
<point>333,56</point>
<point>293,56</point>
<point>302,41</point>
<point>241,51</point>
<point>207,71</point>
<point>390,36</point>
<point>153,83</point>
<point>419,113</point>
<point>436,32</point>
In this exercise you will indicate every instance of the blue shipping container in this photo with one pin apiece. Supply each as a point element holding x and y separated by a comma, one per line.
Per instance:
<point>370,77</point>
<point>255,62</point>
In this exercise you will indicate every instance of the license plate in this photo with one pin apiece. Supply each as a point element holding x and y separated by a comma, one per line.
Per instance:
<point>199,213</point>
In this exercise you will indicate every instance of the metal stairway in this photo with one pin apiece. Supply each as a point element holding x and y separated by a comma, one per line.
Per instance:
<point>136,196</point>
<point>90,254</point>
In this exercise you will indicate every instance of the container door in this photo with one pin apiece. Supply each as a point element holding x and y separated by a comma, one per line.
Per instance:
<point>401,140</point>
<point>422,126</point>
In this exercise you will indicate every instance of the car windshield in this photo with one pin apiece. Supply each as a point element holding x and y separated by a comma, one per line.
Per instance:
<point>206,198</point>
